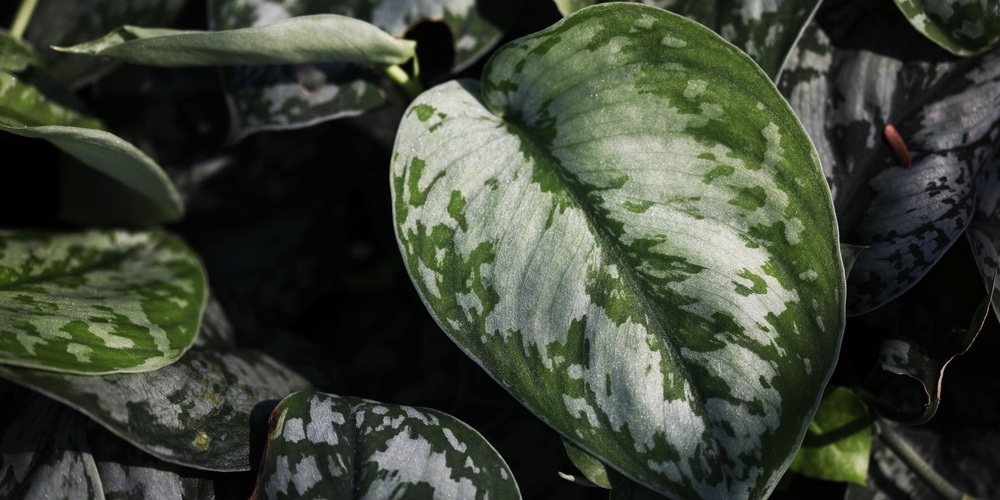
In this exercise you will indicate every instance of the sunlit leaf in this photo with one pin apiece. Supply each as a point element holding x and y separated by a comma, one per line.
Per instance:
<point>21,102</point>
<point>97,301</point>
<point>326,446</point>
<point>963,27</point>
<point>859,68</point>
<point>648,261</point>
<point>307,39</point>
<point>839,440</point>
<point>196,412</point>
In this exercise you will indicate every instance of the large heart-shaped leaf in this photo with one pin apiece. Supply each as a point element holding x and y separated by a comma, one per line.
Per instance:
<point>196,412</point>
<point>629,229</point>
<point>97,301</point>
<point>281,97</point>
<point>962,27</point>
<point>859,68</point>
<point>327,446</point>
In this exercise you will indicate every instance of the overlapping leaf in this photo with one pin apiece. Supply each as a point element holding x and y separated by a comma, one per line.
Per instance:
<point>122,185</point>
<point>97,301</point>
<point>196,412</point>
<point>326,446</point>
<point>765,29</point>
<point>628,228</point>
<point>962,27</point>
<point>278,97</point>
<point>859,68</point>
<point>47,452</point>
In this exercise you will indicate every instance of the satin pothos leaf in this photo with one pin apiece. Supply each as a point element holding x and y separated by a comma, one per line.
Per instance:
<point>291,96</point>
<point>765,29</point>
<point>859,68</point>
<point>627,227</point>
<point>327,446</point>
<point>962,27</point>
<point>196,412</point>
<point>97,301</point>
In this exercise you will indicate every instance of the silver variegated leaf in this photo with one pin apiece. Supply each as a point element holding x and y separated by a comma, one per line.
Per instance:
<point>48,451</point>
<point>327,446</point>
<point>627,227</point>
<point>98,301</point>
<point>195,412</point>
<point>281,97</point>
<point>858,69</point>
<point>984,231</point>
<point>963,27</point>
<point>765,29</point>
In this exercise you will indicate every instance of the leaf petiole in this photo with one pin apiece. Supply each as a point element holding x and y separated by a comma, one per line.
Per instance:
<point>22,18</point>
<point>410,85</point>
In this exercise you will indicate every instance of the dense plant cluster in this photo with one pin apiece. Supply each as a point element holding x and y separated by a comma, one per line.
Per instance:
<point>696,249</point>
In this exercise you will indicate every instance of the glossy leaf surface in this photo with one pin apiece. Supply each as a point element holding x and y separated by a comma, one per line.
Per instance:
<point>195,412</point>
<point>97,301</point>
<point>962,27</point>
<point>281,97</point>
<point>557,221</point>
<point>839,440</point>
<point>320,38</point>
<point>327,446</point>
<point>859,68</point>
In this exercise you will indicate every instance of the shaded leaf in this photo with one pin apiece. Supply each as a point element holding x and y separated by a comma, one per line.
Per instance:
<point>839,440</point>
<point>962,27</point>
<point>68,22</point>
<point>326,446</point>
<point>97,301</point>
<point>567,7</point>
<point>196,412</point>
<point>118,160</point>
<point>15,54</point>
<point>595,472</point>
<point>555,224</point>
<point>48,452</point>
<point>280,97</point>
<point>857,69</point>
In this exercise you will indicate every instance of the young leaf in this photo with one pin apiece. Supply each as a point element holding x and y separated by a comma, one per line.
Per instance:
<point>628,228</point>
<point>327,446</point>
<point>839,440</point>
<point>195,412</point>
<point>307,39</point>
<point>846,95</point>
<point>97,301</point>
<point>567,7</point>
<point>962,27</point>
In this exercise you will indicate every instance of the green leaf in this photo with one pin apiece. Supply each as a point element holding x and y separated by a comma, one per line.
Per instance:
<point>196,412</point>
<point>327,446</point>
<point>963,27</point>
<point>15,54</point>
<point>567,7</point>
<point>861,67</point>
<point>648,261</point>
<point>839,440</point>
<point>282,97</point>
<point>593,469</point>
<point>97,301</point>
<point>307,39</point>
<point>21,102</point>
<point>133,173</point>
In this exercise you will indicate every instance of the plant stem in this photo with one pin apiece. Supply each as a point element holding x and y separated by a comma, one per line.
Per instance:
<point>921,468</point>
<point>22,18</point>
<point>410,85</point>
